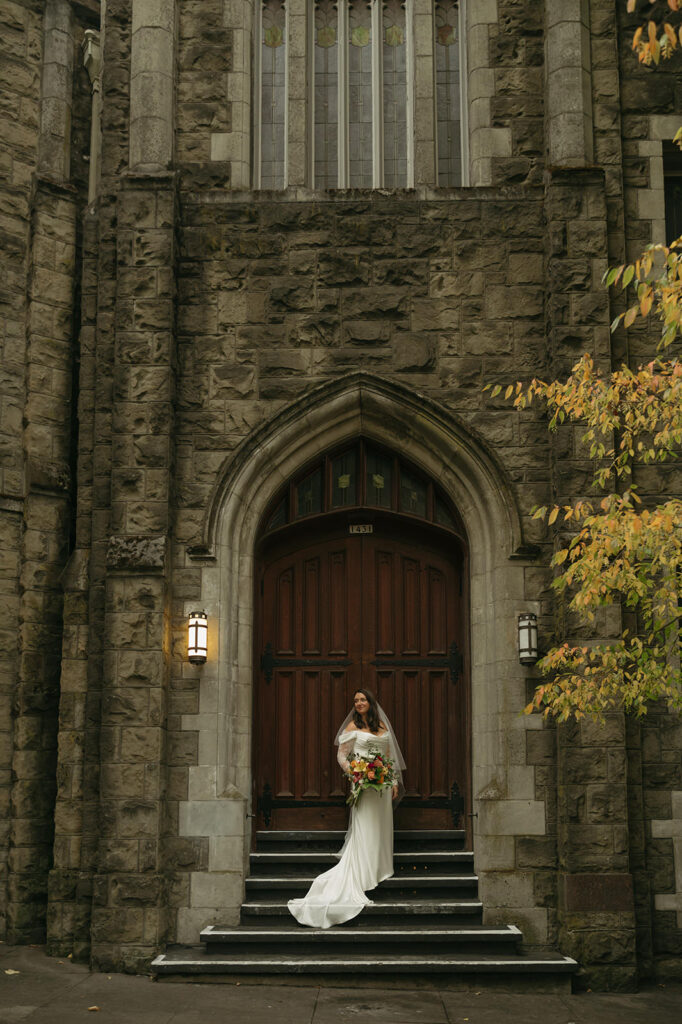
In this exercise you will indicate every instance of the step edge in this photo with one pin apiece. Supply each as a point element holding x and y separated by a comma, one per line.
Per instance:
<point>559,964</point>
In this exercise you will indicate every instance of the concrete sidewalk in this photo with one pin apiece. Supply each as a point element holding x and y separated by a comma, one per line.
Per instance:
<point>49,991</point>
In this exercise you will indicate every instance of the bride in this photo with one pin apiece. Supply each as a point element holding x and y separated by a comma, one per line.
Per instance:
<point>366,857</point>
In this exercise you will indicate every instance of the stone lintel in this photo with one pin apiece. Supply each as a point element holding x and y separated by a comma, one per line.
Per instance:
<point>596,892</point>
<point>137,554</point>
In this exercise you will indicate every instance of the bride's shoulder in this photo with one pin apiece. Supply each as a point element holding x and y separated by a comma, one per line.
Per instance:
<point>349,732</point>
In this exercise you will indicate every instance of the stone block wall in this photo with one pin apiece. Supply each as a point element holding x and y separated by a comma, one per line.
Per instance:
<point>278,296</point>
<point>190,315</point>
<point>20,66</point>
<point>41,207</point>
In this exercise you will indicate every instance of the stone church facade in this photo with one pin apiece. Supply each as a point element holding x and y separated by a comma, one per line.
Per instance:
<point>205,290</point>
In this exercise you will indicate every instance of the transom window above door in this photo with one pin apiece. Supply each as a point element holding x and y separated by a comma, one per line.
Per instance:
<point>354,72</point>
<point>362,475</point>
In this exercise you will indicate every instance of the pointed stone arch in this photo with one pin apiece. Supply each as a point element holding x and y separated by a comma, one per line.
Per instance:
<point>220,786</point>
<point>364,404</point>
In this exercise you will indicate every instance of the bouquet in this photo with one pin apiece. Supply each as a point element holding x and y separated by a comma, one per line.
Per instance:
<point>369,771</point>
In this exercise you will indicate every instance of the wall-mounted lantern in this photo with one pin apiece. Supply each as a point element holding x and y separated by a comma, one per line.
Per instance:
<point>197,638</point>
<point>528,638</point>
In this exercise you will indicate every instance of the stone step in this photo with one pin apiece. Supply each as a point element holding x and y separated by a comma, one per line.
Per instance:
<point>291,933</point>
<point>197,962</point>
<point>424,840</point>
<point>421,911</point>
<point>412,884</point>
<point>291,863</point>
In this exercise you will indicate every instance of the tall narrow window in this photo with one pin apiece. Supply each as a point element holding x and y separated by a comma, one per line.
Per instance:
<point>326,94</point>
<point>448,102</point>
<point>272,93</point>
<point>351,100</point>
<point>672,183</point>
<point>395,94</point>
<point>360,94</point>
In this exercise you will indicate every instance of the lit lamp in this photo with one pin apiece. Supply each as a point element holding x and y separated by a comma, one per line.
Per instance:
<point>197,638</point>
<point>528,638</point>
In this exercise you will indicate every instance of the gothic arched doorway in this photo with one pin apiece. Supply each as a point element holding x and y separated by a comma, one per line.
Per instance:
<point>361,579</point>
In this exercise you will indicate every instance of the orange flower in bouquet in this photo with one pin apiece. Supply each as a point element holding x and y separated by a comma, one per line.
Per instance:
<point>371,771</point>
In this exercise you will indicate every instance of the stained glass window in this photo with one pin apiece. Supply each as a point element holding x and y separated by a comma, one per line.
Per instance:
<point>364,475</point>
<point>379,480</point>
<point>280,516</point>
<point>395,95</point>
<point>344,482</point>
<point>443,514</point>
<point>309,495</point>
<point>448,109</point>
<point>412,494</point>
<point>360,94</point>
<point>273,91</point>
<point>326,94</point>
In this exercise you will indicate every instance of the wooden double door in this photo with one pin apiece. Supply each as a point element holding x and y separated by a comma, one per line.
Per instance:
<point>383,611</point>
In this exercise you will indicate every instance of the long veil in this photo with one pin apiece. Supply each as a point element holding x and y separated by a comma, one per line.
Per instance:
<point>395,751</point>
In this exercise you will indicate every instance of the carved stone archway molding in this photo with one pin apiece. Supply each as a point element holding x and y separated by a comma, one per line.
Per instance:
<point>363,402</point>
<point>220,786</point>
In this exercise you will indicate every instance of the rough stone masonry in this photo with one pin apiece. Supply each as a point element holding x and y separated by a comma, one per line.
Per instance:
<point>164,333</point>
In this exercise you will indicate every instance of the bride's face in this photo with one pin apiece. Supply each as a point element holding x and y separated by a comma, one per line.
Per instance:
<point>361,703</point>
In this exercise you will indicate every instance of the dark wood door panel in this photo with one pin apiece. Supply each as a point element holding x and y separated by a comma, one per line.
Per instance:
<point>342,613</point>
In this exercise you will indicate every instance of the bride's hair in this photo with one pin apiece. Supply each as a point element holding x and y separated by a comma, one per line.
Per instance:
<point>373,719</point>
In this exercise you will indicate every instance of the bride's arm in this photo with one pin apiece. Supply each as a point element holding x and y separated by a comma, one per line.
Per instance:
<point>345,749</point>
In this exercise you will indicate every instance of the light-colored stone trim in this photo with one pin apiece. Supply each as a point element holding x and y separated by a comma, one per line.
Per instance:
<point>651,200</point>
<point>235,145</point>
<point>220,787</point>
<point>671,828</point>
<point>152,84</point>
<point>92,60</point>
<point>297,146</point>
<point>568,72</point>
<point>484,141</point>
<point>424,94</point>
<point>54,146</point>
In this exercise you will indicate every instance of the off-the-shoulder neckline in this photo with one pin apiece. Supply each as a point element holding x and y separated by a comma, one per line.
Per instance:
<point>363,732</point>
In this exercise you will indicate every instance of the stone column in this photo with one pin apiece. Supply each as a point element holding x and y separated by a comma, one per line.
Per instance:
<point>569,83</point>
<point>596,919</point>
<point>485,142</point>
<point>152,84</point>
<point>92,60</point>
<point>235,145</point>
<point>424,99</point>
<point>297,159</point>
<point>130,903</point>
<point>54,149</point>
<point>47,475</point>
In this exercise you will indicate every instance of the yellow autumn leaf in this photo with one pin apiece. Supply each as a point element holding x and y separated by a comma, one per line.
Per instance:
<point>552,516</point>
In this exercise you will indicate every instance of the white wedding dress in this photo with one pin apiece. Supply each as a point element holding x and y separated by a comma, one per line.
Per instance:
<point>366,857</point>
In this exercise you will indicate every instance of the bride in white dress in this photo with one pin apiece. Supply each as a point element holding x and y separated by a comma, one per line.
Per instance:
<point>366,857</point>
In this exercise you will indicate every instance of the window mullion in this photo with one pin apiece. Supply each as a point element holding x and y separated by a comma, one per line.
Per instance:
<point>410,71</point>
<point>258,92</point>
<point>342,85</point>
<point>377,96</point>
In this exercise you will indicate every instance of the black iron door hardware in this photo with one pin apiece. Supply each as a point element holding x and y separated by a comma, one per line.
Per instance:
<point>269,663</point>
<point>452,662</point>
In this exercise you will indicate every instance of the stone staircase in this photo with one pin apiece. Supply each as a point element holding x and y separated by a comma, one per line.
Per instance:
<point>425,921</point>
